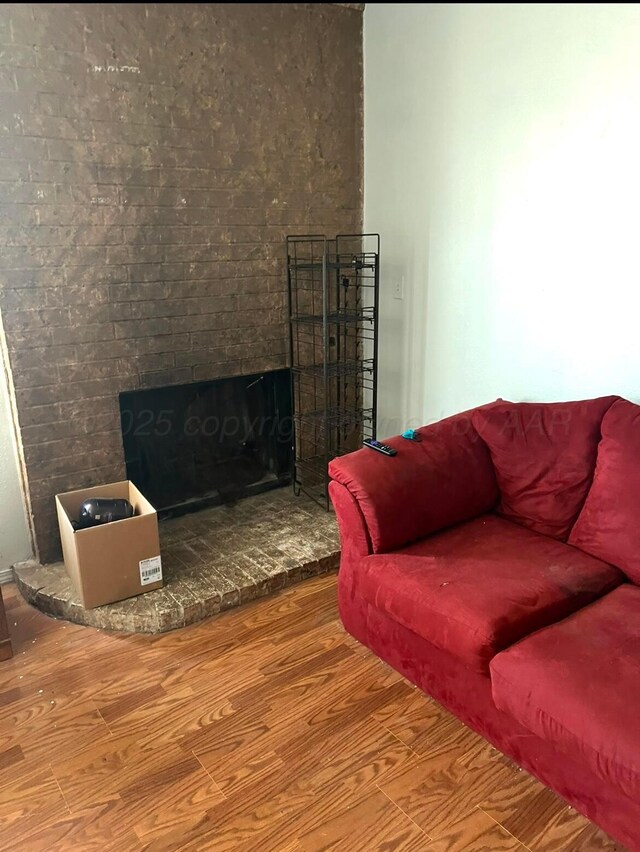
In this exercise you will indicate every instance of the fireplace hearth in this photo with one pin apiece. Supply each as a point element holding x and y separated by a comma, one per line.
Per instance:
<point>213,560</point>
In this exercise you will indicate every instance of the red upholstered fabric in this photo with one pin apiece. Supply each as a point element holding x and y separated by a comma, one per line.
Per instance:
<point>445,479</point>
<point>609,524</point>
<point>354,537</point>
<point>467,694</point>
<point>577,684</point>
<point>477,588</point>
<point>544,456</point>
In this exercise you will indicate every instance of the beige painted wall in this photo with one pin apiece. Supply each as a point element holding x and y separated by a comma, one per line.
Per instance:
<point>15,543</point>
<point>502,168</point>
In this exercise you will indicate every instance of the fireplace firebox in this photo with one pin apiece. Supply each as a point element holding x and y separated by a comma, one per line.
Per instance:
<point>204,443</point>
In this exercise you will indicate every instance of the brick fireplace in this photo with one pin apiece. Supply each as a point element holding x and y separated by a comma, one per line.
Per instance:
<point>152,160</point>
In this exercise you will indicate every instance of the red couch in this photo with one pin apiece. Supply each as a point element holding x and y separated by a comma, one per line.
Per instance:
<point>496,564</point>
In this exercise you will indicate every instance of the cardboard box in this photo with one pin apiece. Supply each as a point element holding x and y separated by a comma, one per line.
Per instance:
<point>117,560</point>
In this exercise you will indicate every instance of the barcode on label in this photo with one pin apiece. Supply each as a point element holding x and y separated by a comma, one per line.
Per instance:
<point>150,570</point>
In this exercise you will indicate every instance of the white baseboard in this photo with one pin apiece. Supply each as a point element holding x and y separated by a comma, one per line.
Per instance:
<point>6,575</point>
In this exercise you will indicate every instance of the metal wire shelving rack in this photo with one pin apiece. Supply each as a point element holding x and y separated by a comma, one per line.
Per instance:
<point>333,288</point>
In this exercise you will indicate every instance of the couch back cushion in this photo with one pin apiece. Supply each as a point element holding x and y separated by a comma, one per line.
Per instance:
<point>609,524</point>
<point>544,456</point>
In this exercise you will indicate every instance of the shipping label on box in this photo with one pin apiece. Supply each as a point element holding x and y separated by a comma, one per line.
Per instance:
<point>150,570</point>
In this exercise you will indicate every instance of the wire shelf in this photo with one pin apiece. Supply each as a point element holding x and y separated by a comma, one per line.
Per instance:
<point>333,288</point>
<point>335,369</point>
<point>337,317</point>
<point>345,261</point>
<point>335,417</point>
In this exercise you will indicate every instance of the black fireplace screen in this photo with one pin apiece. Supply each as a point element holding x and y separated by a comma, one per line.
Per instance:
<point>204,443</point>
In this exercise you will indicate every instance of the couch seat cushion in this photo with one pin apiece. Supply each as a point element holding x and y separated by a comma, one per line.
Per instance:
<point>475,589</point>
<point>544,456</point>
<point>577,684</point>
<point>608,526</point>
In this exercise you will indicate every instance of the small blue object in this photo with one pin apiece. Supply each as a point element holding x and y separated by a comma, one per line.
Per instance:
<point>411,435</point>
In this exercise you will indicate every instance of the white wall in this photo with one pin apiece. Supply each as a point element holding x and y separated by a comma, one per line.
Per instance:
<point>502,168</point>
<point>15,542</point>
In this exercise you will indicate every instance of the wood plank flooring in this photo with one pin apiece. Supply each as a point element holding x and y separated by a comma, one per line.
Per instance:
<point>267,728</point>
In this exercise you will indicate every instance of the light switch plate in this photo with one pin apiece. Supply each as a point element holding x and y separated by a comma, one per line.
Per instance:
<point>398,288</point>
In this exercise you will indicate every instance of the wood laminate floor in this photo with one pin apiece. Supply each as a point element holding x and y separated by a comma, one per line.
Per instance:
<point>267,728</point>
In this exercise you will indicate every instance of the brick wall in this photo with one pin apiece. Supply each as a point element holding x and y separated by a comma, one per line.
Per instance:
<point>152,159</point>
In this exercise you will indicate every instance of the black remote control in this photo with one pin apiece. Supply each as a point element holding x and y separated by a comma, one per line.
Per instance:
<point>385,449</point>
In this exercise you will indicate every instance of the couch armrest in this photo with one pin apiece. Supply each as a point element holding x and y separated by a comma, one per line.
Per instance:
<point>445,479</point>
<point>355,543</point>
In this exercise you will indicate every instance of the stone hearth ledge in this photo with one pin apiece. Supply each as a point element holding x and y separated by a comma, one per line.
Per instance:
<point>213,560</point>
